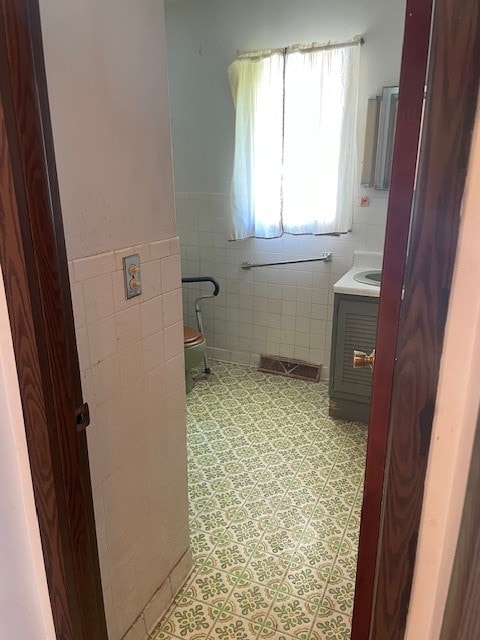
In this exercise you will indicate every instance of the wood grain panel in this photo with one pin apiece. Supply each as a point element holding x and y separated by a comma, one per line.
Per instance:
<point>90,585</point>
<point>452,91</point>
<point>410,106</point>
<point>49,496</point>
<point>33,242</point>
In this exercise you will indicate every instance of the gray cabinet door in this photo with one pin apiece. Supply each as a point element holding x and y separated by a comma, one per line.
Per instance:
<point>356,329</point>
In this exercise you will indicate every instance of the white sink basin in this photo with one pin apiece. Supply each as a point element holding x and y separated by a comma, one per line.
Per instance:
<point>372,276</point>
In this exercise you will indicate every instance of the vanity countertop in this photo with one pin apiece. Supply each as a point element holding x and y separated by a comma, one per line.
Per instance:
<point>362,261</point>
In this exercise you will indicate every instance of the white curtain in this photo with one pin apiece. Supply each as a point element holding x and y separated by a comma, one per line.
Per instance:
<point>257,90</point>
<point>295,142</point>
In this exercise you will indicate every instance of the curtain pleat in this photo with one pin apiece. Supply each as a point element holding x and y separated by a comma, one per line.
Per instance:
<point>257,89</point>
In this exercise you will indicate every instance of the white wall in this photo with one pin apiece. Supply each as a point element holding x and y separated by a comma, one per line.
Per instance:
<point>106,74</point>
<point>282,311</point>
<point>24,601</point>
<point>456,412</point>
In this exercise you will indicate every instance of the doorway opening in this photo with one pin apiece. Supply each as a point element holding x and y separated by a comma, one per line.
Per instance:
<point>242,422</point>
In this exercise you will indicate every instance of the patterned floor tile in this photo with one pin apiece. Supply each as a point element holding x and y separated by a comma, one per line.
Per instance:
<point>339,596</point>
<point>209,585</point>
<point>252,601</point>
<point>292,615</point>
<point>346,567</point>
<point>275,493</point>
<point>230,627</point>
<point>313,551</point>
<point>304,582</point>
<point>231,557</point>
<point>202,545</point>
<point>331,625</point>
<point>245,531</point>
<point>293,517</point>
<point>266,569</point>
<point>192,620</point>
<point>268,633</point>
<point>212,521</point>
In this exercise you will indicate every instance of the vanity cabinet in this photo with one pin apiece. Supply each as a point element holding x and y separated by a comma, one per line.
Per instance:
<point>354,328</point>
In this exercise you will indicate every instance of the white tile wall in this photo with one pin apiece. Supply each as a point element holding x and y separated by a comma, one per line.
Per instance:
<point>276,310</point>
<point>131,360</point>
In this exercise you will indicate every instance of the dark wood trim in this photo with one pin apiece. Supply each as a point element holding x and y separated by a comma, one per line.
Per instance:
<point>461,619</point>
<point>34,267</point>
<point>92,609</point>
<point>410,107</point>
<point>452,91</point>
<point>29,345</point>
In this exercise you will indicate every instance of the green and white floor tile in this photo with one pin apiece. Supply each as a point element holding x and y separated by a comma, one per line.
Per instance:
<point>275,491</point>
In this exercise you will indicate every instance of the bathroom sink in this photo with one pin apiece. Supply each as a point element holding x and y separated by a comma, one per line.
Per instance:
<point>373,276</point>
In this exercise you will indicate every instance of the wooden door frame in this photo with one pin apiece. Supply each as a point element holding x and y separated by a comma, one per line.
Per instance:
<point>452,91</point>
<point>35,274</point>
<point>413,72</point>
<point>34,267</point>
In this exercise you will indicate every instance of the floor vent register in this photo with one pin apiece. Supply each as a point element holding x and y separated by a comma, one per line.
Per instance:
<point>290,367</point>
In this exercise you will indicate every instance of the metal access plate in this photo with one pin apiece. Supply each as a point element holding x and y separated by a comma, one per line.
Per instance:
<point>132,276</point>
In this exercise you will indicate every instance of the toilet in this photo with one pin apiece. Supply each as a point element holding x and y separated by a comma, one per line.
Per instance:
<point>194,344</point>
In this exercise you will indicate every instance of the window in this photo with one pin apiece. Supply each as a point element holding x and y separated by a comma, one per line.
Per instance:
<point>295,151</point>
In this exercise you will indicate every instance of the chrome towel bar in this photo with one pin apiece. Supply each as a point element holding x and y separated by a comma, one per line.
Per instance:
<point>326,257</point>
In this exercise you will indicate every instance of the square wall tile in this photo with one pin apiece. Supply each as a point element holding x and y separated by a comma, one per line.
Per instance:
<point>98,293</point>
<point>124,582</point>
<point>105,379</point>
<point>151,280</point>
<point>102,339</point>
<point>173,336</point>
<point>78,304</point>
<point>130,363</point>
<point>83,348</point>
<point>153,351</point>
<point>175,370</point>
<point>115,488</point>
<point>155,386</point>
<point>93,266</point>
<point>117,524</point>
<point>128,328</point>
<point>121,555</point>
<point>171,273</point>
<point>112,448</point>
<point>160,249</point>
<point>152,315</point>
<point>137,437</point>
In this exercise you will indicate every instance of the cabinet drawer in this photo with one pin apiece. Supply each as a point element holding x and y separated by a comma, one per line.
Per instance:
<point>356,328</point>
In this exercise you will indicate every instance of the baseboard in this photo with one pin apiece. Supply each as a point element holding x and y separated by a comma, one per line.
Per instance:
<point>162,599</point>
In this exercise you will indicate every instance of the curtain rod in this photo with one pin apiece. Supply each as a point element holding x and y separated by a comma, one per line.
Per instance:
<point>265,53</point>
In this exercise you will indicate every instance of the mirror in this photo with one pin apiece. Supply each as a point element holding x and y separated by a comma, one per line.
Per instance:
<point>379,134</point>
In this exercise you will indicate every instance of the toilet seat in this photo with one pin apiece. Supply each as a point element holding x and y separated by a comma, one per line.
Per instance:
<point>192,337</point>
